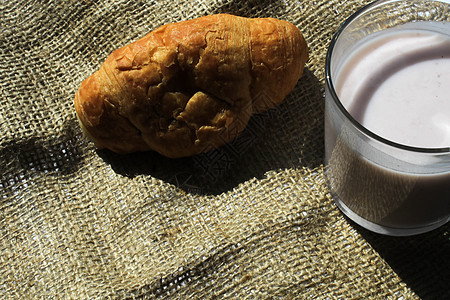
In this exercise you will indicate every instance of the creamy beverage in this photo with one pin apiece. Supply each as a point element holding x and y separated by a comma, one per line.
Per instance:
<point>396,84</point>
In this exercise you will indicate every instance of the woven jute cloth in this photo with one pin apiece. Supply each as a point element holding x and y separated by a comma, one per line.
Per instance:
<point>253,219</point>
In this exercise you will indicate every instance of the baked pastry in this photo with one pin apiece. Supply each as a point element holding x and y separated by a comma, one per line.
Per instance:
<point>191,86</point>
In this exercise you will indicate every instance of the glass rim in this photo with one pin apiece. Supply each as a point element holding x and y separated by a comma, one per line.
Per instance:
<point>358,125</point>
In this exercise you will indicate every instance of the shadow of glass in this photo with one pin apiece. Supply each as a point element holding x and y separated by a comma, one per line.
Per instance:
<point>288,136</point>
<point>421,261</point>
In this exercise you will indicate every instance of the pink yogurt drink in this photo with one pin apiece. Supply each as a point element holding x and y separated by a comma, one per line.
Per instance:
<point>397,85</point>
<point>388,163</point>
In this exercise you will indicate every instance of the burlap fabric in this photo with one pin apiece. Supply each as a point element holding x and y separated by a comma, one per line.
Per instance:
<point>253,219</point>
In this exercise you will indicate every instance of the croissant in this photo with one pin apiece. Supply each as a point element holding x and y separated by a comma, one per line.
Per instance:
<point>191,86</point>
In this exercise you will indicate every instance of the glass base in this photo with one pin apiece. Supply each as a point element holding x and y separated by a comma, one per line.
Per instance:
<point>384,229</point>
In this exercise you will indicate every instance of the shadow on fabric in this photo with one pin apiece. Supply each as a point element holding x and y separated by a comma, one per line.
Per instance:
<point>58,155</point>
<point>205,269</point>
<point>252,8</point>
<point>289,136</point>
<point>421,261</point>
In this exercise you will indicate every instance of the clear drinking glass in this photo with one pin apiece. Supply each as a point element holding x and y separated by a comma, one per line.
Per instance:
<point>384,186</point>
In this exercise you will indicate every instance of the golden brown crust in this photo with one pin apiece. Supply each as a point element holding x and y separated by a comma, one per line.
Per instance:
<point>190,86</point>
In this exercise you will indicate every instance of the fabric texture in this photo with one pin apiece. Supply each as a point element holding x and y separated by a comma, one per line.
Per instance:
<point>252,219</point>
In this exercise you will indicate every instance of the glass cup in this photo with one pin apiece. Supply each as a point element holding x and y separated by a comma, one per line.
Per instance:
<point>382,185</point>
